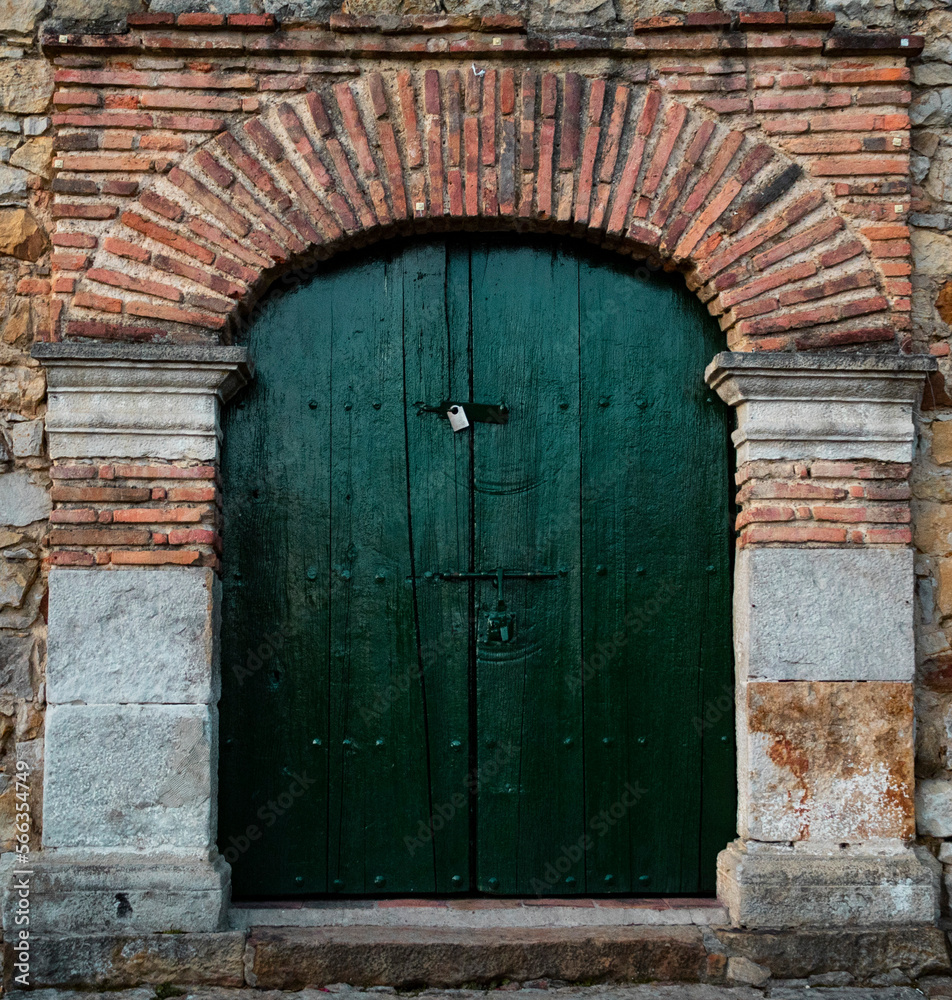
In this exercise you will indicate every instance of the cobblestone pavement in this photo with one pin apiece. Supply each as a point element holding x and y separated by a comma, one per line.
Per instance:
<point>936,988</point>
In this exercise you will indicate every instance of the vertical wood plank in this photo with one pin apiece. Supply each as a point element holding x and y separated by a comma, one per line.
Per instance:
<point>378,763</point>
<point>437,368</point>
<point>526,474</point>
<point>275,628</point>
<point>656,589</point>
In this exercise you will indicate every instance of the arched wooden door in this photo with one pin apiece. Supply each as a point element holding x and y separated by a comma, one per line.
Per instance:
<point>397,717</point>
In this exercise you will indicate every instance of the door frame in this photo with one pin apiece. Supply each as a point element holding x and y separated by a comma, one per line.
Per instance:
<point>848,411</point>
<point>553,131</point>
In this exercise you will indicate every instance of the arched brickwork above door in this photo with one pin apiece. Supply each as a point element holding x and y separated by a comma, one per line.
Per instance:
<point>757,217</point>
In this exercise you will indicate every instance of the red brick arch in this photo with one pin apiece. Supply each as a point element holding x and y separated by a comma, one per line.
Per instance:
<point>624,165</point>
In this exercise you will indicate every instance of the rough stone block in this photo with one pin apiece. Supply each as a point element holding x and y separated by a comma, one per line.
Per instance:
<point>111,961</point>
<point>26,85</point>
<point>15,652</point>
<point>21,500</point>
<point>294,958</point>
<point>824,614</point>
<point>16,576</point>
<point>26,438</point>
<point>825,762</point>
<point>137,777</point>
<point>20,15</point>
<point>934,807</point>
<point>765,885</point>
<point>796,954</point>
<point>132,636</point>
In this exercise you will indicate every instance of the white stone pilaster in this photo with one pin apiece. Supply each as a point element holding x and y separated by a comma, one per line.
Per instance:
<point>131,742</point>
<point>824,655</point>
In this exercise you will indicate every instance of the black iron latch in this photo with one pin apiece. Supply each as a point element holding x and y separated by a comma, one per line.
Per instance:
<point>462,414</point>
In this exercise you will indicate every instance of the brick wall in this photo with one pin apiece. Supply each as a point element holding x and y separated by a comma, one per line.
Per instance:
<point>134,515</point>
<point>791,224</point>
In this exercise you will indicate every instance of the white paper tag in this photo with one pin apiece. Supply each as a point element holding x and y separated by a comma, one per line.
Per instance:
<point>458,419</point>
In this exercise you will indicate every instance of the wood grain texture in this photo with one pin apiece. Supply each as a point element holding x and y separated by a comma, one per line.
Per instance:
<point>582,755</point>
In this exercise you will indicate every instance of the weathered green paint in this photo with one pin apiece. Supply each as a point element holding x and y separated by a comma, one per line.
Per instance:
<point>593,752</point>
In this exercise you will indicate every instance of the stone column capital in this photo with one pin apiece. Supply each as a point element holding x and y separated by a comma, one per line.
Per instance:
<point>829,406</point>
<point>133,400</point>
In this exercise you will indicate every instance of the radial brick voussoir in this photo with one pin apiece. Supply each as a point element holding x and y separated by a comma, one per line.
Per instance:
<point>409,151</point>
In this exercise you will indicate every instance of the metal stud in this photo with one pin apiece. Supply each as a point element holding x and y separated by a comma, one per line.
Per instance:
<point>380,577</point>
<point>312,403</point>
<point>493,883</point>
<point>317,741</point>
<point>601,570</point>
<point>570,880</point>
<point>455,744</point>
<point>338,883</point>
<point>378,743</point>
<point>312,572</point>
<point>345,574</point>
<point>457,880</point>
<point>604,401</point>
<point>642,739</point>
<point>710,569</point>
<point>609,878</point>
<point>379,880</point>
<point>607,740</point>
<point>644,878</point>
<point>348,406</point>
<point>567,741</point>
<point>298,878</point>
<point>639,570</point>
<point>376,404</point>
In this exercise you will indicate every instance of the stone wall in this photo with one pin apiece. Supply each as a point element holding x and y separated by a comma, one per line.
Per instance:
<point>39,257</point>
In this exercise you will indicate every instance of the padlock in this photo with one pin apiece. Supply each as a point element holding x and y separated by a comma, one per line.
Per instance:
<point>500,627</point>
<point>458,419</point>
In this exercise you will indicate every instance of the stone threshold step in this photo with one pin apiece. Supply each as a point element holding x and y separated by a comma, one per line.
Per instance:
<point>291,958</point>
<point>485,913</point>
<point>295,958</point>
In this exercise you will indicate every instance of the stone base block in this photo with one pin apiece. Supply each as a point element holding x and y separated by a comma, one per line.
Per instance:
<point>409,958</point>
<point>112,961</point>
<point>779,887</point>
<point>130,777</point>
<point>109,892</point>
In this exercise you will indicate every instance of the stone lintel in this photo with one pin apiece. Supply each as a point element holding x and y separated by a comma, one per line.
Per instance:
<point>831,406</point>
<point>138,400</point>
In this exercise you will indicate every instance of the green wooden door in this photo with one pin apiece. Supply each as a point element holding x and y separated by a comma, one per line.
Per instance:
<point>391,721</point>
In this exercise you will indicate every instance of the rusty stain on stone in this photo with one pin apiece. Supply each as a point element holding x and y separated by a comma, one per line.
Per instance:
<point>840,760</point>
